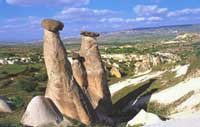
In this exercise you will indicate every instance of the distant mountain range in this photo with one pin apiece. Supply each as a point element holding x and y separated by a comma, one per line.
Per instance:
<point>134,35</point>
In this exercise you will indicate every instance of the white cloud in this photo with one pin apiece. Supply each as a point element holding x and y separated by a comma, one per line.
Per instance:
<point>154,18</point>
<point>83,14</point>
<point>140,19</point>
<point>112,20</point>
<point>130,20</point>
<point>182,12</point>
<point>47,2</point>
<point>149,10</point>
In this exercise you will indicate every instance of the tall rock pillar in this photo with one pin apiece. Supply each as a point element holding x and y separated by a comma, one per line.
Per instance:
<point>62,88</point>
<point>97,86</point>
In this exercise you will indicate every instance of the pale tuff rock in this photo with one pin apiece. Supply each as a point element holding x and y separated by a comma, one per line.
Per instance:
<point>96,75</point>
<point>4,106</point>
<point>62,88</point>
<point>41,111</point>
<point>79,71</point>
<point>143,64</point>
<point>144,118</point>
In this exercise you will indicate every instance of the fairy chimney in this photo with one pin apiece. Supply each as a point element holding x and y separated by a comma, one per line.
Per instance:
<point>62,88</point>
<point>97,86</point>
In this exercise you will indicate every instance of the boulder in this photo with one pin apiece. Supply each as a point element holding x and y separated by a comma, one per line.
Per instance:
<point>41,111</point>
<point>96,75</point>
<point>62,88</point>
<point>144,118</point>
<point>52,25</point>
<point>4,106</point>
<point>115,72</point>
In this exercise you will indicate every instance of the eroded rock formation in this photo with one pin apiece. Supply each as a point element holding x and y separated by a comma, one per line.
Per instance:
<point>115,72</point>
<point>97,86</point>
<point>41,111</point>
<point>81,94</point>
<point>62,88</point>
<point>79,70</point>
<point>4,106</point>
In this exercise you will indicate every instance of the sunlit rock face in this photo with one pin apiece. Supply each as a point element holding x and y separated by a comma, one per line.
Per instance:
<point>62,88</point>
<point>4,106</point>
<point>41,111</point>
<point>97,86</point>
<point>115,72</point>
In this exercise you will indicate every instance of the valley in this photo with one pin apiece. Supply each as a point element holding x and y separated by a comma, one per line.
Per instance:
<point>159,76</point>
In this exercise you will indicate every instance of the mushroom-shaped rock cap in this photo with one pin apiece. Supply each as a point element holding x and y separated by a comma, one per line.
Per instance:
<point>90,34</point>
<point>52,25</point>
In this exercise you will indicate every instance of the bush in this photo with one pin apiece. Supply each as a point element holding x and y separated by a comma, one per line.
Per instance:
<point>41,77</point>
<point>26,84</point>
<point>198,52</point>
<point>16,102</point>
<point>159,109</point>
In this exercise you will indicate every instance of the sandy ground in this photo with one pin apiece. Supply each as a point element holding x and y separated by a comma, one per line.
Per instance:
<point>133,81</point>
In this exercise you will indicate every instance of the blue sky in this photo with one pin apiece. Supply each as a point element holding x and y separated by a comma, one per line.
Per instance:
<point>20,19</point>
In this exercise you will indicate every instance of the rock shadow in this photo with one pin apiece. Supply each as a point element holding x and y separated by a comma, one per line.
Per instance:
<point>127,107</point>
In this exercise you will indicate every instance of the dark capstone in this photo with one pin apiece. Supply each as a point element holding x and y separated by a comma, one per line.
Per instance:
<point>52,25</point>
<point>90,34</point>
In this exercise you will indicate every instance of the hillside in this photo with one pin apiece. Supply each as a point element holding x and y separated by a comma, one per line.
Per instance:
<point>141,34</point>
<point>150,82</point>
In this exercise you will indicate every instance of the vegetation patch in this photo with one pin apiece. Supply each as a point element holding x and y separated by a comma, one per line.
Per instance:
<point>26,83</point>
<point>159,109</point>
<point>16,102</point>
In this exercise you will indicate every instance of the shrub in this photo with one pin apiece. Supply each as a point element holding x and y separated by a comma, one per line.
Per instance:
<point>41,77</point>
<point>26,84</point>
<point>198,52</point>
<point>159,109</point>
<point>16,102</point>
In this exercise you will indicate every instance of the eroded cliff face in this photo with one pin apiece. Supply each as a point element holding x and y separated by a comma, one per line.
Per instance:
<point>62,88</point>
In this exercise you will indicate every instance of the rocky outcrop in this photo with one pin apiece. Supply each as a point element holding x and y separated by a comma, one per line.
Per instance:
<point>62,88</point>
<point>144,118</point>
<point>78,91</point>
<point>115,72</point>
<point>143,64</point>
<point>96,75</point>
<point>4,106</point>
<point>41,111</point>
